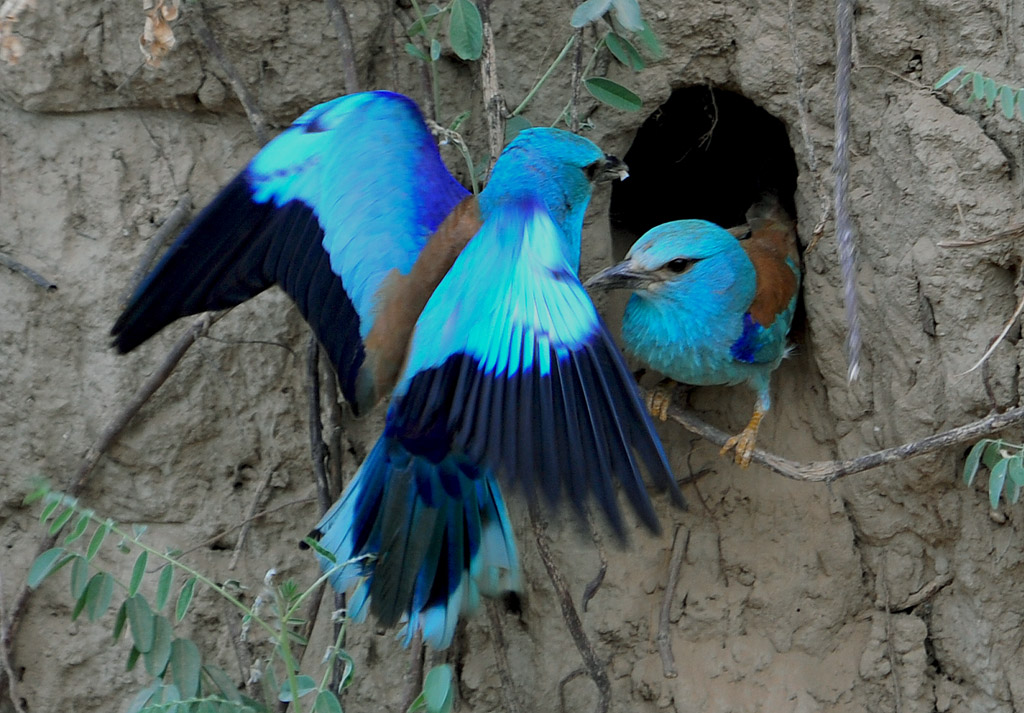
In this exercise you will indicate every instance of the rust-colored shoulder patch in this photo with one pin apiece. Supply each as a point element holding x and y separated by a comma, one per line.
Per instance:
<point>768,247</point>
<point>401,298</point>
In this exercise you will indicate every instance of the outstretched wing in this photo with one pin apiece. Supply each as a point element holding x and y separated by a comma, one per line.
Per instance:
<point>511,366</point>
<point>348,193</point>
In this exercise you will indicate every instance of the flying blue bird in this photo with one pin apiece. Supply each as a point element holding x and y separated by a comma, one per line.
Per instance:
<point>709,308</point>
<point>467,310</point>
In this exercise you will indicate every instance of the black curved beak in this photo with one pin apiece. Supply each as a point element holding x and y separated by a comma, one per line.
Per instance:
<point>613,168</point>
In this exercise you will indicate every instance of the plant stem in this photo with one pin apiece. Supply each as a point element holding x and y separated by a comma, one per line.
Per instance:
<point>590,65</point>
<point>433,69</point>
<point>544,77</point>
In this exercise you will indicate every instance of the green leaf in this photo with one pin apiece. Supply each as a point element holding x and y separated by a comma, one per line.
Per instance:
<point>140,621</point>
<point>80,526</point>
<point>320,549</point>
<point>326,702</point>
<point>133,658</point>
<point>1012,492</point>
<point>44,566</point>
<point>589,11</point>
<point>613,94</point>
<point>435,50</point>
<point>1016,469</point>
<point>1007,99</point>
<point>306,684</point>
<point>416,52</point>
<point>48,511</point>
<point>41,491</point>
<point>978,88</point>
<point>143,697</point>
<point>163,586</point>
<point>991,90</point>
<point>79,576</point>
<point>1020,104</point>
<point>420,26</point>
<point>466,30</point>
<point>949,77</point>
<point>120,620</point>
<point>97,540</point>
<point>101,592</point>
<point>995,482</point>
<point>514,125</point>
<point>993,453</point>
<point>223,682</point>
<point>137,571</point>
<point>159,654</point>
<point>627,12</point>
<point>61,521</point>
<point>437,689</point>
<point>459,120</point>
<point>623,51</point>
<point>184,598</point>
<point>185,666</point>
<point>974,460</point>
<point>80,604</point>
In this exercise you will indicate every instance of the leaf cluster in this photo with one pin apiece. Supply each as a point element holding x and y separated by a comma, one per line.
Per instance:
<point>1005,464</point>
<point>986,89</point>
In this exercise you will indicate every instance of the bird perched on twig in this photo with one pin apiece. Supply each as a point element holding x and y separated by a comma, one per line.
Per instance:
<point>712,306</point>
<point>466,309</point>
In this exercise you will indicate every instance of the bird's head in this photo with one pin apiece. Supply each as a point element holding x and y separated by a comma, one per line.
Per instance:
<point>557,166</point>
<point>672,255</point>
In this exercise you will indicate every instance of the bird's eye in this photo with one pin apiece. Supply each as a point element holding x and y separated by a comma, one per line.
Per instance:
<point>678,265</point>
<point>591,170</point>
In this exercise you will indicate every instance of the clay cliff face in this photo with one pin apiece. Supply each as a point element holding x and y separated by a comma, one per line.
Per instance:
<point>783,587</point>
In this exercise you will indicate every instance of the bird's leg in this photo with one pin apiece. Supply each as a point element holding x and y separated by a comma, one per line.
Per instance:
<point>660,398</point>
<point>743,443</point>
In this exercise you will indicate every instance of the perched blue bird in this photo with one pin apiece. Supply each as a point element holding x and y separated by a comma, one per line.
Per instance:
<point>466,309</point>
<point>712,307</point>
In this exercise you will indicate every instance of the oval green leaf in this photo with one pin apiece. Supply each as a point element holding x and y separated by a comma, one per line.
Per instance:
<point>993,453</point>
<point>143,697</point>
<point>623,51</point>
<point>326,702</point>
<point>949,77</point>
<point>437,689</point>
<point>159,654</point>
<point>435,50</point>
<point>1016,469</point>
<point>306,684</point>
<point>97,540</point>
<point>978,86</point>
<point>589,11</point>
<point>415,51</point>
<point>185,665</point>
<point>137,571</point>
<point>466,30</point>
<point>974,460</point>
<point>120,620</point>
<point>991,90</point>
<point>44,566</point>
<point>184,598</point>
<point>101,592</point>
<point>38,494</point>
<point>133,658</point>
<point>79,529</point>
<point>140,621</point>
<point>514,125</point>
<point>1007,99</point>
<point>48,511</point>
<point>163,586</point>
<point>79,576</point>
<point>613,94</point>
<point>627,12</point>
<point>995,482</point>
<point>61,521</point>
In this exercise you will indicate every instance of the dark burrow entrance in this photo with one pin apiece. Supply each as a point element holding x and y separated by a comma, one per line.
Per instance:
<point>705,153</point>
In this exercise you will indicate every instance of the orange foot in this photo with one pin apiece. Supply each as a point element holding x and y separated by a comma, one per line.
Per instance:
<point>660,398</point>
<point>743,443</point>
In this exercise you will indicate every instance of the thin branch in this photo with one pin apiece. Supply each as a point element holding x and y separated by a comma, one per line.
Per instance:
<point>8,668</point>
<point>920,596</point>
<point>547,74</point>
<point>998,340</point>
<point>668,660</point>
<point>577,81</point>
<point>494,103</point>
<point>593,665</point>
<point>823,471</point>
<point>168,228</point>
<point>508,686</point>
<point>256,516</point>
<point>339,17</point>
<point>252,109</point>
<point>1015,232</point>
<point>247,523</point>
<point>591,589</point>
<point>841,164</point>
<point>8,261</point>
<point>317,447</point>
<point>890,646</point>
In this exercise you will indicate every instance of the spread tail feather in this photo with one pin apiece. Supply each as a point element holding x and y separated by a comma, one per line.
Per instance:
<point>419,541</point>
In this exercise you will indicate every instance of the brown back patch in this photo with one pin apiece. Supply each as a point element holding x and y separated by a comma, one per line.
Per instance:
<point>401,298</point>
<point>769,245</point>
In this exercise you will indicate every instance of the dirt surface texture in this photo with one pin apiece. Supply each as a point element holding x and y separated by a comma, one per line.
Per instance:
<point>896,589</point>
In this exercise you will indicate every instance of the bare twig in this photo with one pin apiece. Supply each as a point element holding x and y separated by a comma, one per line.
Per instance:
<point>890,647</point>
<point>339,17</point>
<point>822,471</point>
<point>668,660</point>
<point>256,516</point>
<point>577,81</point>
<point>317,447</point>
<point>101,446</point>
<point>169,227</point>
<point>333,427</point>
<point>591,589</point>
<point>566,680</point>
<point>12,678</point>
<point>8,261</point>
<point>919,597</point>
<point>494,103</point>
<point>247,523</point>
<point>996,342</point>
<point>252,109</point>
<point>593,665</point>
<point>414,682</point>
<point>253,687</point>
<point>508,686</point>
<point>1015,232</point>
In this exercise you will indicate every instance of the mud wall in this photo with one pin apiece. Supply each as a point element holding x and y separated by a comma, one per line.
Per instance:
<point>784,587</point>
